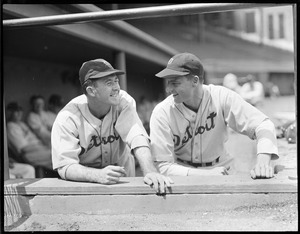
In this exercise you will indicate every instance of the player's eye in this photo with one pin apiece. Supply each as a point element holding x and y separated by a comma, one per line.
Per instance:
<point>175,84</point>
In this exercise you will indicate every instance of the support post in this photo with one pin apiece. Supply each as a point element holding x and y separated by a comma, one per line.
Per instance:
<point>120,63</point>
<point>6,160</point>
<point>295,57</point>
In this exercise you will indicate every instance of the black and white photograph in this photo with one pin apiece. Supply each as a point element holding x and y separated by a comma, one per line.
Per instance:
<point>149,116</point>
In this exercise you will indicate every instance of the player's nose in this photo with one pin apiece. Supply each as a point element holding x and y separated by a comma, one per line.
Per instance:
<point>116,86</point>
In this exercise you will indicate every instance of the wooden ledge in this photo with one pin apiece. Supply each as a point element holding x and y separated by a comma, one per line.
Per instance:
<point>281,183</point>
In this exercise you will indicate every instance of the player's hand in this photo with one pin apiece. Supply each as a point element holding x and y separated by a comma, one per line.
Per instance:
<point>158,181</point>
<point>111,174</point>
<point>218,171</point>
<point>212,171</point>
<point>262,169</point>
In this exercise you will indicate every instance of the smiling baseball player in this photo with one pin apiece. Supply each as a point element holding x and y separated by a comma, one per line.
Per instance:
<point>95,136</point>
<point>188,129</point>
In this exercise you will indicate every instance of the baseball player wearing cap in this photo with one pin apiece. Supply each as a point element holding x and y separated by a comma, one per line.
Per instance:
<point>188,129</point>
<point>95,134</point>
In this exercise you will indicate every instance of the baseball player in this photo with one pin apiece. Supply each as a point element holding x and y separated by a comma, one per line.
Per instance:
<point>95,136</point>
<point>189,128</point>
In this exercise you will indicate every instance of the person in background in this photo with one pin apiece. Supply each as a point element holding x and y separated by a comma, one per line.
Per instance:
<point>253,91</point>
<point>230,81</point>
<point>271,90</point>
<point>144,109</point>
<point>19,170</point>
<point>98,135</point>
<point>38,119</point>
<point>23,141</point>
<point>55,104</point>
<point>188,129</point>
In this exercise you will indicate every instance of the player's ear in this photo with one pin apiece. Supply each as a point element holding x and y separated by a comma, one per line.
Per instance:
<point>200,79</point>
<point>90,90</point>
<point>195,80</point>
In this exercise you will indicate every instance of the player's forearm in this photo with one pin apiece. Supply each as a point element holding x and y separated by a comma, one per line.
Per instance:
<point>263,159</point>
<point>143,155</point>
<point>172,169</point>
<point>77,172</point>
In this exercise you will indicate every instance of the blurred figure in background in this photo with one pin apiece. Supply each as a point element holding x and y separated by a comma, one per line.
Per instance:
<point>55,104</point>
<point>19,170</point>
<point>38,119</point>
<point>271,90</point>
<point>144,110</point>
<point>230,81</point>
<point>253,91</point>
<point>23,141</point>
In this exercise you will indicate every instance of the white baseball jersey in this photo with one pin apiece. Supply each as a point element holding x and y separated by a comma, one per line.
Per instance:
<point>39,122</point>
<point>20,135</point>
<point>178,132</point>
<point>80,137</point>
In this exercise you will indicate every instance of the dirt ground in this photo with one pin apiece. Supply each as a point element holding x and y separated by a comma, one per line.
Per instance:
<point>280,216</point>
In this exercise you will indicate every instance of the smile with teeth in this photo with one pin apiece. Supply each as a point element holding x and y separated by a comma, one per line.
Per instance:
<point>114,95</point>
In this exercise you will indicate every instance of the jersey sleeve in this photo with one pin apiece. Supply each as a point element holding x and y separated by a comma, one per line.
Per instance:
<point>266,139</point>
<point>239,114</point>
<point>129,126</point>
<point>65,143</point>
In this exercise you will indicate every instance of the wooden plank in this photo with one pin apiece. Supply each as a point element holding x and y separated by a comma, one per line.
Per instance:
<point>135,185</point>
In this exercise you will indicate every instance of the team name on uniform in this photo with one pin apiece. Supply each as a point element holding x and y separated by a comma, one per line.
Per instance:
<point>200,130</point>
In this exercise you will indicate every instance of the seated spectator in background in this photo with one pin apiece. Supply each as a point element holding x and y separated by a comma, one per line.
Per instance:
<point>24,141</point>
<point>271,90</point>
<point>230,81</point>
<point>20,170</point>
<point>55,104</point>
<point>38,119</point>
<point>144,110</point>
<point>253,91</point>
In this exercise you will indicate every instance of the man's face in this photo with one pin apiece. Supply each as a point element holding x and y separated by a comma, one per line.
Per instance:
<point>107,90</point>
<point>181,88</point>
<point>38,105</point>
<point>17,115</point>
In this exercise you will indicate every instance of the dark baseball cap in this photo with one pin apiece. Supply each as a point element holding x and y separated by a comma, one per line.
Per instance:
<point>182,64</point>
<point>95,69</point>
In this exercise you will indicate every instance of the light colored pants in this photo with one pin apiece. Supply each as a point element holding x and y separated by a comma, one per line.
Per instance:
<point>21,170</point>
<point>40,156</point>
<point>226,162</point>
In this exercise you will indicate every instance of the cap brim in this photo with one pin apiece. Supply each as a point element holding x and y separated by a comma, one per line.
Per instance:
<point>104,74</point>
<point>167,73</point>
